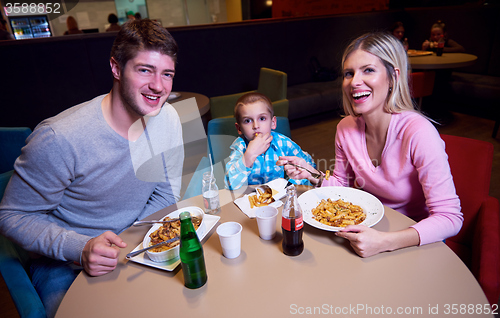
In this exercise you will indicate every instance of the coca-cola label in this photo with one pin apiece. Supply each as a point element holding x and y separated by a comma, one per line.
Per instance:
<point>287,223</point>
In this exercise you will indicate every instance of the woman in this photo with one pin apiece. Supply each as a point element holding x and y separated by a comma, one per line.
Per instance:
<point>72,26</point>
<point>387,148</point>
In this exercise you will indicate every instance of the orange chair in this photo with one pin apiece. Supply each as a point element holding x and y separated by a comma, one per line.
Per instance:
<point>478,242</point>
<point>421,84</point>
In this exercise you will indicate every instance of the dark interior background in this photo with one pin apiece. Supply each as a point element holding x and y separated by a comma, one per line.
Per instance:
<point>42,77</point>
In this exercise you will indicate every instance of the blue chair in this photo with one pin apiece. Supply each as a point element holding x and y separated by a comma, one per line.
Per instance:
<point>221,134</point>
<point>12,139</point>
<point>13,259</point>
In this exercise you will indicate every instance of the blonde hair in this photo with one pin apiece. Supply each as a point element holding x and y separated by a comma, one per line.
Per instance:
<point>251,98</point>
<point>391,53</point>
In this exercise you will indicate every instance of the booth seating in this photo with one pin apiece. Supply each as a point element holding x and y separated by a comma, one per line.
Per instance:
<point>13,259</point>
<point>480,90</point>
<point>314,98</point>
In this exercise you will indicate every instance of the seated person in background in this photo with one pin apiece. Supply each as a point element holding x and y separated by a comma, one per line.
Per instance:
<point>387,148</point>
<point>113,23</point>
<point>87,174</point>
<point>398,30</point>
<point>438,31</point>
<point>72,26</point>
<point>4,34</point>
<point>255,153</point>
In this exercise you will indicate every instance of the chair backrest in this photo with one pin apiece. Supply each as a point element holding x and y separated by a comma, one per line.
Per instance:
<point>470,163</point>
<point>273,84</point>
<point>12,139</point>
<point>421,83</point>
<point>221,133</point>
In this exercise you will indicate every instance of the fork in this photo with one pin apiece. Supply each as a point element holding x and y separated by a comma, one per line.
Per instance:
<point>313,174</point>
<point>138,223</point>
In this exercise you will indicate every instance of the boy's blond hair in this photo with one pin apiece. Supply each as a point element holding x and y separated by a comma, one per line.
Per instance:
<point>251,98</point>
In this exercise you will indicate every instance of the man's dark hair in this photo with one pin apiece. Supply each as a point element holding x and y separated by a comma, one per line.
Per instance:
<point>138,35</point>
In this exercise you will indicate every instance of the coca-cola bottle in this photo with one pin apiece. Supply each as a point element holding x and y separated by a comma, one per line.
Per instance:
<point>292,224</point>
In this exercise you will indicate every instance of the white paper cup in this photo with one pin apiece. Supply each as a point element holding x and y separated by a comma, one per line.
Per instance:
<point>230,238</point>
<point>266,221</point>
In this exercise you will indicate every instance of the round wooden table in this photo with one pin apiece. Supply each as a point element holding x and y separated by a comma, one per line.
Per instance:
<point>202,101</point>
<point>328,278</point>
<point>446,61</point>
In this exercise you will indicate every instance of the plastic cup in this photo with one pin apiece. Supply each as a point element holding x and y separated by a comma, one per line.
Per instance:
<point>266,221</point>
<point>230,238</point>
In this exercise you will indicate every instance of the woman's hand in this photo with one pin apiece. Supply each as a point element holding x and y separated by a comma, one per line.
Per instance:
<point>294,172</point>
<point>367,242</point>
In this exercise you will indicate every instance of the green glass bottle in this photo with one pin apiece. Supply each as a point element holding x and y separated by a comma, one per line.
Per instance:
<point>191,254</point>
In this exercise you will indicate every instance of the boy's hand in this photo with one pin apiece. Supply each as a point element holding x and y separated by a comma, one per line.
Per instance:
<point>256,147</point>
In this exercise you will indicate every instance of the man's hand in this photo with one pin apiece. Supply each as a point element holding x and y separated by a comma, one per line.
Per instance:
<point>256,147</point>
<point>100,254</point>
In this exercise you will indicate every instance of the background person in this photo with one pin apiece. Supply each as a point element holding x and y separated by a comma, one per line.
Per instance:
<point>88,173</point>
<point>398,30</point>
<point>113,23</point>
<point>438,31</point>
<point>4,34</point>
<point>387,148</point>
<point>72,26</point>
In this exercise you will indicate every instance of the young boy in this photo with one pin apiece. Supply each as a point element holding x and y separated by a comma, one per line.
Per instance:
<point>254,155</point>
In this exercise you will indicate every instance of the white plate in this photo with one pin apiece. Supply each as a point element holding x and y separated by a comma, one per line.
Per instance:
<point>174,251</point>
<point>277,184</point>
<point>370,204</point>
<point>414,53</point>
<point>173,95</point>
<point>210,221</point>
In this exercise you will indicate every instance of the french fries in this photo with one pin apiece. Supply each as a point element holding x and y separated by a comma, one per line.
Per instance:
<point>260,199</point>
<point>338,213</point>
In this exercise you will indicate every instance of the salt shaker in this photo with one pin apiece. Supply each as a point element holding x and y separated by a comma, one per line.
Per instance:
<point>210,194</point>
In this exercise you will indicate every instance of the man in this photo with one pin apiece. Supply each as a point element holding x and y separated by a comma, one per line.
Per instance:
<point>88,173</point>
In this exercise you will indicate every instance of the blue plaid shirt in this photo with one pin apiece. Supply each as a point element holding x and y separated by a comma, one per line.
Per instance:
<point>264,168</point>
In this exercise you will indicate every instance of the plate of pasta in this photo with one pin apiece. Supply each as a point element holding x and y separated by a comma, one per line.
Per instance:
<point>332,208</point>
